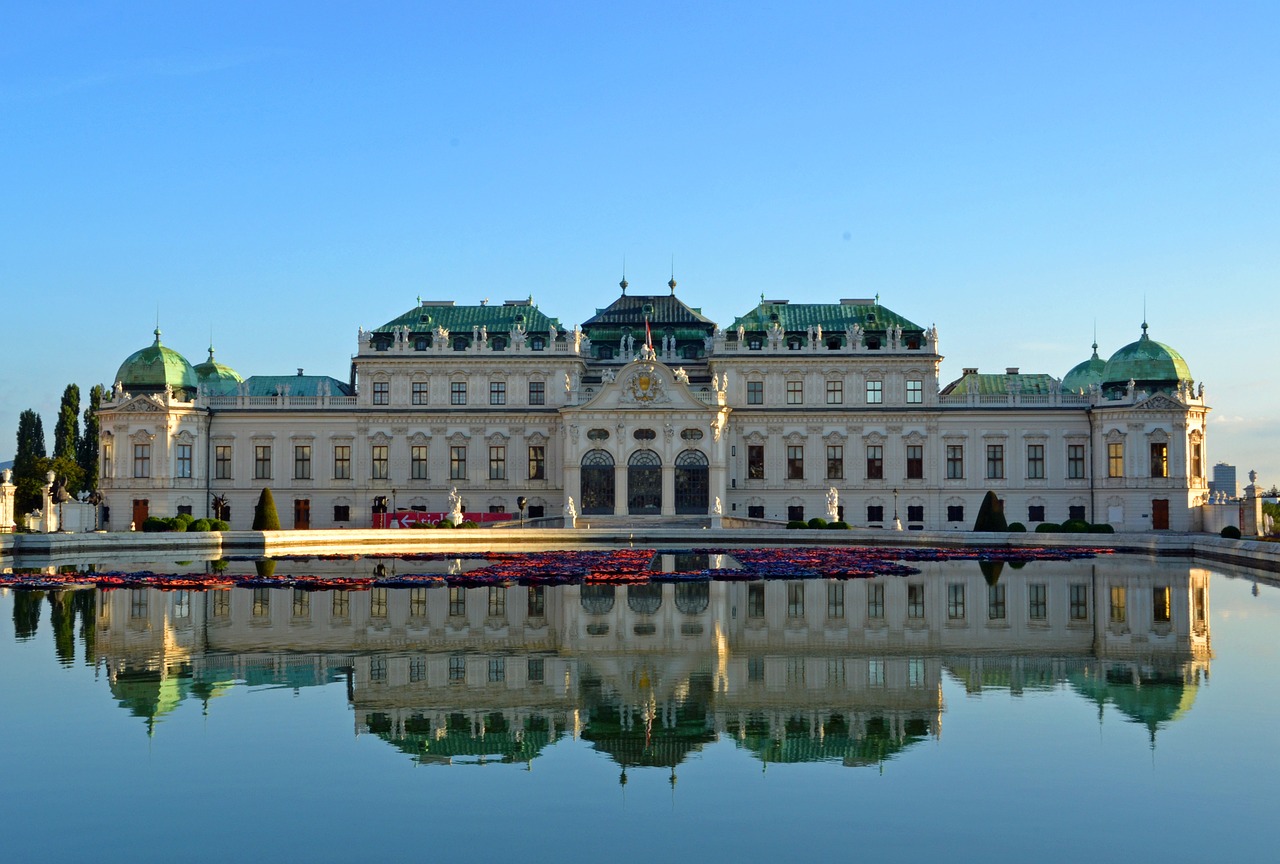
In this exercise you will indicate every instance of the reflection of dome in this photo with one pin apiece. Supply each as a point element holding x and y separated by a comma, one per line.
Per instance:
<point>216,376</point>
<point>151,693</point>
<point>155,366</point>
<point>1083,375</point>
<point>1154,699</point>
<point>1149,364</point>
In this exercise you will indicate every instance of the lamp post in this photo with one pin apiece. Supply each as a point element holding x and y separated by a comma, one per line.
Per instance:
<point>521,502</point>
<point>897,523</point>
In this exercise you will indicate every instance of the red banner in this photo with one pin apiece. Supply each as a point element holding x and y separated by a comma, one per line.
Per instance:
<point>407,518</point>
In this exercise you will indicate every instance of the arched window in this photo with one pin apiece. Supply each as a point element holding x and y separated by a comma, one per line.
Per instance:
<point>596,599</point>
<point>644,483</point>
<point>644,599</point>
<point>692,598</point>
<point>597,484</point>
<point>691,481</point>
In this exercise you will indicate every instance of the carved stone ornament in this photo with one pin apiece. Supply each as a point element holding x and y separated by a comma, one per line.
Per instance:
<point>646,386</point>
<point>1160,403</point>
<point>141,405</point>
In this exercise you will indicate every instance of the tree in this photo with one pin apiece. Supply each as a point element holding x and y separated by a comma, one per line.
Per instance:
<point>265,517</point>
<point>87,452</point>
<point>28,475</point>
<point>66,433</point>
<point>991,514</point>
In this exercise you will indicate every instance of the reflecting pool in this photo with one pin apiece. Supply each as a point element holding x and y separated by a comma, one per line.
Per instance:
<point>1108,709</point>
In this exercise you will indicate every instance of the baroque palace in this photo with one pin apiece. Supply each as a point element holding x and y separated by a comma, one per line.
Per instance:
<point>650,410</point>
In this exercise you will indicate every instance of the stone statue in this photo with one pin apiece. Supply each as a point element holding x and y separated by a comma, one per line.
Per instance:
<point>717,510</point>
<point>817,333</point>
<point>833,505</point>
<point>568,383</point>
<point>59,492</point>
<point>742,333</point>
<point>570,514</point>
<point>707,342</point>
<point>682,376</point>
<point>585,347</point>
<point>552,333</point>
<point>577,338</point>
<point>1129,388</point>
<point>455,507</point>
<point>608,376</point>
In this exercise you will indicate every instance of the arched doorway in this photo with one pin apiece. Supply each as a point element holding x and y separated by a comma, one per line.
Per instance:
<point>596,492</point>
<point>644,483</point>
<point>692,485</point>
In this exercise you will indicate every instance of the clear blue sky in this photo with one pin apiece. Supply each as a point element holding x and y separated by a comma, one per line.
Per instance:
<point>280,174</point>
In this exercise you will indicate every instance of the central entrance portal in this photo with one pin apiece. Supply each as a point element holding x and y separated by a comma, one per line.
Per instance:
<point>692,492</point>
<point>596,498</point>
<point>644,484</point>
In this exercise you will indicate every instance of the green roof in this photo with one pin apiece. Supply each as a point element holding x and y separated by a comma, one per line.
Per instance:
<point>998,385</point>
<point>153,367</point>
<point>799,317</point>
<point>1148,363</point>
<point>661,310</point>
<point>1085,374</point>
<point>425,317</point>
<point>211,370</point>
<point>266,385</point>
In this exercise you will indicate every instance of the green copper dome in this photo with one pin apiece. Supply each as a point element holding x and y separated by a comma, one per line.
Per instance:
<point>1084,375</point>
<point>215,374</point>
<point>1149,364</point>
<point>155,366</point>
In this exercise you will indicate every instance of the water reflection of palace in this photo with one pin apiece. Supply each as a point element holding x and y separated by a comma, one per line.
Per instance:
<point>792,670</point>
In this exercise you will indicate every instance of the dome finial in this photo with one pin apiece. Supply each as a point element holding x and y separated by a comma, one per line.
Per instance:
<point>157,333</point>
<point>623,283</point>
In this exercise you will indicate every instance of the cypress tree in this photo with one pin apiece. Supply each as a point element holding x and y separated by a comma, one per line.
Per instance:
<point>991,514</point>
<point>28,458</point>
<point>66,432</point>
<point>265,517</point>
<point>87,451</point>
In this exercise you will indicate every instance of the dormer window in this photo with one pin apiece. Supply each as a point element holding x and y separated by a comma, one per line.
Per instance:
<point>794,343</point>
<point>605,352</point>
<point>460,343</point>
<point>537,343</point>
<point>498,343</point>
<point>420,344</point>
<point>873,343</point>
<point>833,344</point>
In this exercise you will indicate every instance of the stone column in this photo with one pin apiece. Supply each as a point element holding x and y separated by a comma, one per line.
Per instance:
<point>48,519</point>
<point>668,488</point>
<point>8,498</point>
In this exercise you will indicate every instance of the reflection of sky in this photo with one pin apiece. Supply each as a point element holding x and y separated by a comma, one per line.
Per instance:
<point>1039,771</point>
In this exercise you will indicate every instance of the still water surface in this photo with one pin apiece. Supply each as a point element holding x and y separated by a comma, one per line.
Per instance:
<point>1115,709</point>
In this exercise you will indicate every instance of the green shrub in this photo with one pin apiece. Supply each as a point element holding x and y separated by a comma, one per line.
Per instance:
<point>154,524</point>
<point>1017,528</point>
<point>839,526</point>
<point>186,519</point>
<point>1048,528</point>
<point>1231,532</point>
<point>990,514</point>
<point>817,522</point>
<point>797,523</point>
<point>1075,526</point>
<point>421,525</point>
<point>1101,528</point>
<point>265,517</point>
<point>200,525</point>
<point>467,523</point>
<point>265,567</point>
<point>176,524</point>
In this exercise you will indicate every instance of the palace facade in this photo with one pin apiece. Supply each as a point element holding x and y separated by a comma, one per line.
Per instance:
<point>650,410</point>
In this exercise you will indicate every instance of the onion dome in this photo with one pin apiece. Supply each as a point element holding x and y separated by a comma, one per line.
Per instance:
<point>1151,365</point>
<point>216,376</point>
<point>1082,376</point>
<point>154,367</point>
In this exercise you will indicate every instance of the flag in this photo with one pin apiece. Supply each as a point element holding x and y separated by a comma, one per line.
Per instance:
<point>648,334</point>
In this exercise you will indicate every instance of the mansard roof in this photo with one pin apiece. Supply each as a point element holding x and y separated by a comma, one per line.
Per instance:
<point>661,310</point>
<point>429,314</point>
<point>268,385</point>
<point>974,383</point>
<point>798,317</point>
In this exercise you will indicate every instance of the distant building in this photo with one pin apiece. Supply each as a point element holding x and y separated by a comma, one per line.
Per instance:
<point>649,409</point>
<point>1224,480</point>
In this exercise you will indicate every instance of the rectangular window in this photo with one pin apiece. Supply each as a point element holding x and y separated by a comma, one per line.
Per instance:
<point>339,605</point>
<point>141,460</point>
<point>108,460</point>
<point>1115,459</point>
<point>915,461</point>
<point>537,393</point>
<point>756,511</point>
<point>875,673</point>
<point>497,392</point>
<point>497,601</point>
<point>262,462</point>
<point>835,392</point>
<point>418,462</point>
<point>755,392</point>
<point>1035,512</point>
<point>1159,459</point>
<point>377,670</point>
<point>1118,601</point>
<point>458,463</point>
<point>915,601</point>
<point>457,392</point>
<point>795,392</point>
<point>341,512</point>
<point>222,462</point>
<point>795,461</point>
<point>875,513</point>
<point>1035,461</point>
<point>1197,464</point>
<point>261,603</point>
<point>915,512</point>
<point>302,462</point>
<point>915,391</point>
<point>995,461</point>
<point>875,462</point>
<point>301,604</point>
<point>875,600</point>
<point>955,600</point>
<point>381,392</point>
<point>955,512</point>
<point>377,602</point>
<point>1037,601</point>
<point>498,462</point>
<point>1079,602</point>
<point>497,670</point>
<point>835,599</point>
<point>457,601</point>
<point>421,395</point>
<point>417,669</point>
<point>875,392</point>
<point>755,600</point>
<point>795,599</point>
<point>1075,461</point>
<point>378,454</point>
<point>955,461</point>
<point>795,512</point>
<point>755,461</point>
<point>537,601</point>
<point>995,603</point>
<point>537,462</point>
<point>835,461</point>
<point>457,669</point>
<point>182,461</point>
<point>536,673</point>
<point>342,462</point>
<point>1160,611</point>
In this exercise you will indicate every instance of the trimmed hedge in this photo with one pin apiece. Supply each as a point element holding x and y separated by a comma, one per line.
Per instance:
<point>1017,528</point>
<point>817,522</point>
<point>797,523</point>
<point>990,515</point>
<point>265,517</point>
<point>1231,532</point>
<point>1048,528</point>
<point>839,526</point>
<point>1101,528</point>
